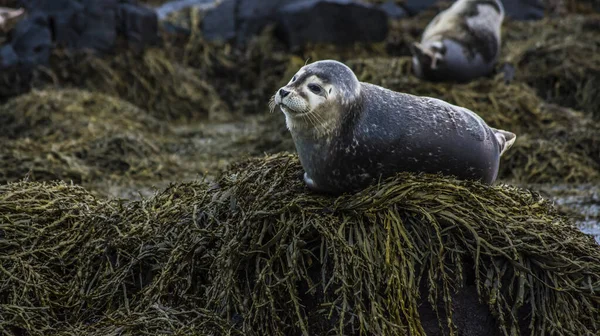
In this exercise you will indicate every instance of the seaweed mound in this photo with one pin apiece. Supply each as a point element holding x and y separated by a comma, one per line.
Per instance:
<point>561,62</point>
<point>80,136</point>
<point>255,253</point>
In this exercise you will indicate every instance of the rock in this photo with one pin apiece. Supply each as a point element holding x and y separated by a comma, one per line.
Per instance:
<point>240,19</point>
<point>524,9</point>
<point>331,21</point>
<point>414,7</point>
<point>254,16</point>
<point>393,11</point>
<point>100,32</point>
<point>65,20</point>
<point>31,39</point>
<point>138,24</point>
<point>219,22</point>
<point>8,57</point>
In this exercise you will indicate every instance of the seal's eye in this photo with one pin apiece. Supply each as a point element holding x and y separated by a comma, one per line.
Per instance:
<point>314,88</point>
<point>294,79</point>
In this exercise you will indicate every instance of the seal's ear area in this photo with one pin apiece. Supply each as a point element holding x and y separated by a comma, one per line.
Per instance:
<point>505,139</point>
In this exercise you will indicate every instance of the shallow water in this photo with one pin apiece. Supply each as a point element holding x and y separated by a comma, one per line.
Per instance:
<point>583,200</point>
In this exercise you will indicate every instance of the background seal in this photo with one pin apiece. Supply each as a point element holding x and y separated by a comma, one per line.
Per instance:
<point>460,43</point>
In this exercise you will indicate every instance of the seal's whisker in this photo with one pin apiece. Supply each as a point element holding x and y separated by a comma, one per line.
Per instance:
<point>272,104</point>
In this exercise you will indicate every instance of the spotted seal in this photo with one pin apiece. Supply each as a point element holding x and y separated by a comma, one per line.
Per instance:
<point>461,43</point>
<point>349,134</point>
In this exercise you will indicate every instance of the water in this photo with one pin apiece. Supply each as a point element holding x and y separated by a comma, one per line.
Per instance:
<point>584,200</point>
<point>177,5</point>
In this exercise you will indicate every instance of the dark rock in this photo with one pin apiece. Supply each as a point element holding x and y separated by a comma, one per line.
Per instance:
<point>31,39</point>
<point>241,19</point>
<point>172,28</point>
<point>253,16</point>
<point>8,57</point>
<point>100,32</point>
<point>219,23</point>
<point>393,11</point>
<point>138,24</point>
<point>414,7</point>
<point>65,20</point>
<point>524,9</point>
<point>331,21</point>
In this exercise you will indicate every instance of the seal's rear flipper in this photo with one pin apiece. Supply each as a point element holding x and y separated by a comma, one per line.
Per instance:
<point>505,139</point>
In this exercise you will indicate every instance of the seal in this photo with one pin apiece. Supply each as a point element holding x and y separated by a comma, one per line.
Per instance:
<point>349,134</point>
<point>461,43</point>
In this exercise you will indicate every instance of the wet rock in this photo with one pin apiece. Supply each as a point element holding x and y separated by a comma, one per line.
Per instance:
<point>138,24</point>
<point>80,24</point>
<point>8,57</point>
<point>414,7</point>
<point>100,31</point>
<point>65,20</point>
<point>219,22</point>
<point>393,11</point>
<point>241,19</point>
<point>524,9</point>
<point>31,40</point>
<point>331,21</point>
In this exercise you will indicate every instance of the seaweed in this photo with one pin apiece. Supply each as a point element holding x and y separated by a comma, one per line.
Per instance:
<point>560,61</point>
<point>257,253</point>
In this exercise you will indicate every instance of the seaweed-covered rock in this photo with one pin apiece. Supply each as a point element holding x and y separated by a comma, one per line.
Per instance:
<point>258,254</point>
<point>331,21</point>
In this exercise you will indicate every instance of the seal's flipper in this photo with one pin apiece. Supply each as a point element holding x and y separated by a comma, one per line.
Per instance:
<point>505,139</point>
<point>423,55</point>
<point>310,183</point>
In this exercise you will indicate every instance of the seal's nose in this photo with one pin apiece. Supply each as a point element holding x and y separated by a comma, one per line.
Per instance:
<point>283,93</point>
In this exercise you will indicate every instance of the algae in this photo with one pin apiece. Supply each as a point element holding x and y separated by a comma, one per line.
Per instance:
<point>256,253</point>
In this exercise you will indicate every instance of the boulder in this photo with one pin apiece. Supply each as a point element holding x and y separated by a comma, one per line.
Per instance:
<point>138,24</point>
<point>31,39</point>
<point>219,22</point>
<point>524,9</point>
<point>8,57</point>
<point>331,21</point>
<point>393,10</point>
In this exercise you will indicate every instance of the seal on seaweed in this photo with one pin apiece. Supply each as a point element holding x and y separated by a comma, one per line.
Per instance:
<point>349,134</point>
<point>460,43</point>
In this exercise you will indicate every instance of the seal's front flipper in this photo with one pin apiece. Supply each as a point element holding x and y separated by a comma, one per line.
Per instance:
<point>422,54</point>
<point>505,139</point>
<point>310,183</point>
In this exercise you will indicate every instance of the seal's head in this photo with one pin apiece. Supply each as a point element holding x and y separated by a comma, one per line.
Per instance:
<point>317,97</point>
